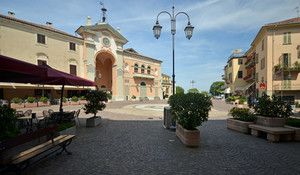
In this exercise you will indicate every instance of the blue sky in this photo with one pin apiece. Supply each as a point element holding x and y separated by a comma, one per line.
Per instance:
<point>220,27</point>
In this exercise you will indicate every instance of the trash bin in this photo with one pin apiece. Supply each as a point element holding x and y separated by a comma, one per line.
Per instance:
<point>168,119</point>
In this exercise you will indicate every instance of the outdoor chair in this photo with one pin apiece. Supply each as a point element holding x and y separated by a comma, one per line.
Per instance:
<point>76,115</point>
<point>47,117</point>
<point>19,114</point>
<point>27,113</point>
<point>50,111</point>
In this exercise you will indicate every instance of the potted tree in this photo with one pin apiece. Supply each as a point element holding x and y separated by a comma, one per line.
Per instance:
<point>17,103</point>
<point>82,100</point>
<point>94,105</point>
<point>133,97</point>
<point>189,110</point>
<point>44,101</point>
<point>30,102</point>
<point>8,124</point>
<point>74,100</point>
<point>242,117</point>
<point>271,112</point>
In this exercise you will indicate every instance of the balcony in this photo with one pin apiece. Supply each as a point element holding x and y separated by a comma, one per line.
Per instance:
<point>166,82</point>
<point>224,77</point>
<point>286,85</point>
<point>139,75</point>
<point>249,78</point>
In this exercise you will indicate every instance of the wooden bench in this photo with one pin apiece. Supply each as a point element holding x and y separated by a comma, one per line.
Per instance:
<point>22,160</point>
<point>274,134</point>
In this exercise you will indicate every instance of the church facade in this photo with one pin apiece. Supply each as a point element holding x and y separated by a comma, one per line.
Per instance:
<point>97,55</point>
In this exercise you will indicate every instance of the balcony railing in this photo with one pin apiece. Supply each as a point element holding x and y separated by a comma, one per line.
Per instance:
<point>249,77</point>
<point>139,75</point>
<point>166,82</point>
<point>286,85</point>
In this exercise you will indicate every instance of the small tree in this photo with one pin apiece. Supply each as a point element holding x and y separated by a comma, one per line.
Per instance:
<point>193,90</point>
<point>95,99</point>
<point>179,90</point>
<point>8,124</point>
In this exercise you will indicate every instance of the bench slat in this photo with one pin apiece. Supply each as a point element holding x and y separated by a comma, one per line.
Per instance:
<point>40,149</point>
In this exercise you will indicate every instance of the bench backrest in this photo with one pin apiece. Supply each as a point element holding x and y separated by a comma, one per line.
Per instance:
<point>12,142</point>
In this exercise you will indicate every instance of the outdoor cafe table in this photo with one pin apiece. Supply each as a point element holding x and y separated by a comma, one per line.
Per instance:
<point>27,121</point>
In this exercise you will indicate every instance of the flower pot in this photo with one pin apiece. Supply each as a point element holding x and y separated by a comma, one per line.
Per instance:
<point>65,103</point>
<point>93,121</point>
<point>83,102</point>
<point>74,103</point>
<point>40,103</point>
<point>15,105</point>
<point>269,121</point>
<point>68,131</point>
<point>239,126</point>
<point>30,105</point>
<point>189,138</point>
<point>297,132</point>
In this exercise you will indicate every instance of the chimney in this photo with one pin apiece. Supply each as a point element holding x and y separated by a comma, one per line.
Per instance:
<point>49,24</point>
<point>11,14</point>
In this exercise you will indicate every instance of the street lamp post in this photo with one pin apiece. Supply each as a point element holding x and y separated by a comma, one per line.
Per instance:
<point>188,33</point>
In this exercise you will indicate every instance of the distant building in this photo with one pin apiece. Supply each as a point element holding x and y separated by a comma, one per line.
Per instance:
<point>97,55</point>
<point>167,86</point>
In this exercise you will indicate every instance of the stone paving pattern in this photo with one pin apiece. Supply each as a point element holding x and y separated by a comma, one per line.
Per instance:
<point>131,143</point>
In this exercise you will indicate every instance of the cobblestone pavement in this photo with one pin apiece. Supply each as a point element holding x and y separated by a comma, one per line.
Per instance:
<point>134,142</point>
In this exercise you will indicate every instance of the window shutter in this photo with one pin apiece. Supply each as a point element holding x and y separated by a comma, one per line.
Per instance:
<point>289,38</point>
<point>256,77</point>
<point>256,58</point>
<point>73,70</point>
<point>289,57</point>
<point>284,38</point>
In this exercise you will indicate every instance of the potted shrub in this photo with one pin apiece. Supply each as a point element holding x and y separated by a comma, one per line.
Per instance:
<point>189,110</point>
<point>30,102</point>
<point>67,128</point>
<point>133,97</point>
<point>17,103</point>
<point>242,117</point>
<point>74,100</point>
<point>65,101</point>
<point>8,124</point>
<point>82,100</point>
<point>294,123</point>
<point>44,101</point>
<point>271,112</point>
<point>94,105</point>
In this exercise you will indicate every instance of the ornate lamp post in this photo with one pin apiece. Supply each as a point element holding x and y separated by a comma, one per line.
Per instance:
<point>188,33</point>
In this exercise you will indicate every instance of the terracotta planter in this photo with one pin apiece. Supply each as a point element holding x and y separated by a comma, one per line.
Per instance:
<point>83,102</point>
<point>269,121</point>
<point>189,138</point>
<point>239,126</point>
<point>43,103</point>
<point>74,103</point>
<point>297,132</point>
<point>30,105</point>
<point>93,121</point>
<point>15,105</point>
<point>65,103</point>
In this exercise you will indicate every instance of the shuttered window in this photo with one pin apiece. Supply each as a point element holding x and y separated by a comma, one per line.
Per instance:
<point>41,39</point>
<point>72,46</point>
<point>256,77</point>
<point>287,38</point>
<point>240,74</point>
<point>263,63</point>
<point>73,70</point>
<point>256,58</point>
<point>42,62</point>
<point>286,59</point>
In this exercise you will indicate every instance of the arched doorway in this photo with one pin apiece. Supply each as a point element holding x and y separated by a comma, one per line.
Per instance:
<point>143,89</point>
<point>104,77</point>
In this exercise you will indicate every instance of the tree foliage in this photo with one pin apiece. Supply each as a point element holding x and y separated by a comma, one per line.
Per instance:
<point>95,102</point>
<point>193,90</point>
<point>179,90</point>
<point>215,88</point>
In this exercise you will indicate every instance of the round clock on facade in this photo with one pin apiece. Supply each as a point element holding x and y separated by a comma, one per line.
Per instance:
<point>106,41</point>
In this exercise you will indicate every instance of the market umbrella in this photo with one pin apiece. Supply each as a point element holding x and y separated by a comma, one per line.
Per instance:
<point>43,75</point>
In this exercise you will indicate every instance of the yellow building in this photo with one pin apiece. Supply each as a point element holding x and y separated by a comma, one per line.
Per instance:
<point>234,72</point>
<point>97,55</point>
<point>276,54</point>
<point>167,86</point>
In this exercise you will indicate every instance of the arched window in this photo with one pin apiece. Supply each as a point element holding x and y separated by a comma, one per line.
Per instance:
<point>143,84</point>
<point>136,68</point>
<point>142,69</point>
<point>126,67</point>
<point>156,72</point>
<point>149,70</point>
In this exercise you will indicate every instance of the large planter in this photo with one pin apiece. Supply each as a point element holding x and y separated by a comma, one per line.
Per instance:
<point>297,132</point>
<point>69,131</point>
<point>239,126</point>
<point>269,121</point>
<point>15,105</point>
<point>189,138</point>
<point>30,105</point>
<point>93,121</point>
<point>40,103</point>
<point>83,102</point>
<point>65,103</point>
<point>74,103</point>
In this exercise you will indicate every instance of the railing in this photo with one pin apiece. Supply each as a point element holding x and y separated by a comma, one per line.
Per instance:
<point>236,55</point>
<point>249,77</point>
<point>166,82</point>
<point>140,75</point>
<point>286,85</point>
